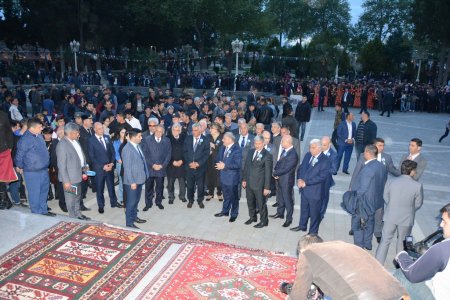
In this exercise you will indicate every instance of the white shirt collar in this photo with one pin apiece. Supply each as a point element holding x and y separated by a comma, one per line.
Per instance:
<point>414,156</point>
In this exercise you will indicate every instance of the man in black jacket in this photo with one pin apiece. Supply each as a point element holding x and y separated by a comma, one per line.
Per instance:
<point>264,114</point>
<point>388,101</point>
<point>303,115</point>
<point>366,132</point>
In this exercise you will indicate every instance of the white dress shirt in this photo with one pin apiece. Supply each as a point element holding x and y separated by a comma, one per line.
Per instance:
<point>77,147</point>
<point>350,130</point>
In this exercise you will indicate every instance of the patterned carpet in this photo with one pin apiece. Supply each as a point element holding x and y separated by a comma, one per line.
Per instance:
<point>94,261</point>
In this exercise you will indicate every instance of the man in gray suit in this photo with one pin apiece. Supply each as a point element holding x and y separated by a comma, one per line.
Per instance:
<point>415,146</point>
<point>71,163</point>
<point>402,197</point>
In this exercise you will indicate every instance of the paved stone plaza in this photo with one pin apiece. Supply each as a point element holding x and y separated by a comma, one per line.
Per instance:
<point>176,219</point>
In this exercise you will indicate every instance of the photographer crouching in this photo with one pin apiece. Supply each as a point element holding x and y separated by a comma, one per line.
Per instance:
<point>430,273</point>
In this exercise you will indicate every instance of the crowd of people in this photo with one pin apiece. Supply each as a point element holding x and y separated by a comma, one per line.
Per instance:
<point>214,147</point>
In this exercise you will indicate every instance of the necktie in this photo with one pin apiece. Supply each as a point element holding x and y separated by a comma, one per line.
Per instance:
<point>226,152</point>
<point>102,142</point>
<point>195,143</point>
<point>283,153</point>
<point>158,140</point>
<point>143,161</point>
<point>410,157</point>
<point>256,155</point>
<point>243,142</point>
<point>311,160</point>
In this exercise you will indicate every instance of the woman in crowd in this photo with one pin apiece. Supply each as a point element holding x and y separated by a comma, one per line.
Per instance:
<point>212,174</point>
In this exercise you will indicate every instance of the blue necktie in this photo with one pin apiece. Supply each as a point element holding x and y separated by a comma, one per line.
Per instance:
<point>195,144</point>
<point>143,161</point>
<point>243,142</point>
<point>283,153</point>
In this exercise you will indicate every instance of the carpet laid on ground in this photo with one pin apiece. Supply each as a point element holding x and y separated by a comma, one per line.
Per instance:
<point>97,261</point>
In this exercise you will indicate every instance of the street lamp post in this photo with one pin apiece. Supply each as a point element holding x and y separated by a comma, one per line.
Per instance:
<point>125,52</point>
<point>75,46</point>
<point>237,46</point>
<point>339,48</point>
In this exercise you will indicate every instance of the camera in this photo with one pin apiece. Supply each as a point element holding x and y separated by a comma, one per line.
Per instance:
<point>415,250</point>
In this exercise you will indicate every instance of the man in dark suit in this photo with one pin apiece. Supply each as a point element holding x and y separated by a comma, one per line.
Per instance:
<point>346,133</point>
<point>54,166</point>
<point>284,174</point>
<point>228,162</point>
<point>312,175</point>
<point>85,133</point>
<point>245,141</point>
<point>290,122</point>
<point>176,168</point>
<point>257,174</point>
<point>366,132</point>
<point>346,99</point>
<point>102,157</point>
<point>196,153</point>
<point>322,94</point>
<point>369,190</point>
<point>157,151</point>
<point>332,156</point>
<point>134,176</point>
<point>364,95</point>
<point>251,97</point>
<point>388,101</point>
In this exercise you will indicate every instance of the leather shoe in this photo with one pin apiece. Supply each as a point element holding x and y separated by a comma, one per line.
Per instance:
<point>101,210</point>
<point>298,228</point>
<point>378,239</point>
<point>260,225</point>
<point>140,221</point>
<point>64,209</point>
<point>350,232</point>
<point>49,208</point>
<point>250,221</point>
<point>146,208</point>
<point>170,201</point>
<point>189,205</point>
<point>232,219</point>
<point>277,216</point>
<point>346,172</point>
<point>183,200</point>
<point>275,205</point>
<point>287,223</point>
<point>50,214</point>
<point>201,205</point>
<point>119,205</point>
<point>83,217</point>
<point>160,206</point>
<point>220,215</point>
<point>133,226</point>
<point>84,208</point>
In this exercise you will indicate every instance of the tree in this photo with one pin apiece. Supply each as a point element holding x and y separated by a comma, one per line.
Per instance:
<point>373,57</point>
<point>381,18</point>
<point>333,19</point>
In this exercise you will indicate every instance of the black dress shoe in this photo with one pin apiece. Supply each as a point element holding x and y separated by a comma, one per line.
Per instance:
<point>101,210</point>
<point>260,225</point>
<point>277,216</point>
<point>83,217</point>
<point>50,214</point>
<point>250,221</point>
<point>369,249</point>
<point>140,221</point>
<point>64,209</point>
<point>84,208</point>
<point>49,208</point>
<point>201,205</point>
<point>220,215</point>
<point>298,228</point>
<point>183,200</point>
<point>189,205</point>
<point>350,232</point>
<point>232,219</point>
<point>287,223</point>
<point>378,239</point>
<point>170,201</point>
<point>133,226</point>
<point>160,206</point>
<point>275,205</point>
<point>346,172</point>
<point>119,205</point>
<point>146,208</point>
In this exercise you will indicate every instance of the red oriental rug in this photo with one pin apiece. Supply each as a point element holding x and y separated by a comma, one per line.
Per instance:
<point>95,261</point>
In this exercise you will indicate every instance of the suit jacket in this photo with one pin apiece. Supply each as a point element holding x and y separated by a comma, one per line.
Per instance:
<point>332,156</point>
<point>402,197</point>
<point>157,153</point>
<point>134,169</point>
<point>258,172</point>
<point>53,156</point>
<point>84,140</point>
<point>386,160</point>
<point>98,155</point>
<point>421,165</point>
<point>370,187</point>
<point>177,153</point>
<point>292,124</point>
<point>247,147</point>
<point>315,176</point>
<point>342,132</point>
<point>370,133</point>
<point>69,165</point>
<point>231,174</point>
<point>200,155</point>
<point>277,143</point>
<point>285,169</point>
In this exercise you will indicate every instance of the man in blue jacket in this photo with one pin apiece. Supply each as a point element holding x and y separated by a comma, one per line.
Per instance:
<point>346,133</point>
<point>32,161</point>
<point>228,162</point>
<point>332,156</point>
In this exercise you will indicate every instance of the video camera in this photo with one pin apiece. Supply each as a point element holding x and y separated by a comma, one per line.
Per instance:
<point>416,250</point>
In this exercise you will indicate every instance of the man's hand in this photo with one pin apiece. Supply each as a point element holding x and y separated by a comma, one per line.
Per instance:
<point>156,167</point>
<point>19,170</point>
<point>67,186</point>
<point>275,177</point>
<point>220,165</point>
<point>193,165</point>
<point>244,184</point>
<point>266,192</point>
<point>133,186</point>
<point>301,183</point>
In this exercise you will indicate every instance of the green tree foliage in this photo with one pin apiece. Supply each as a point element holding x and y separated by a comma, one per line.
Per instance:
<point>373,57</point>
